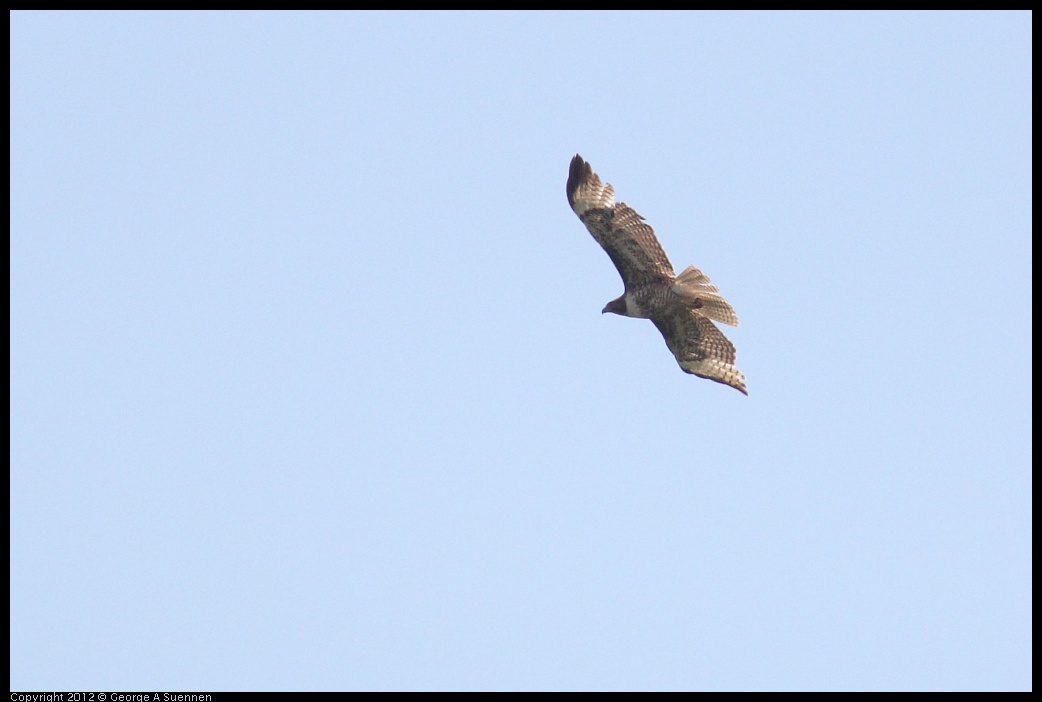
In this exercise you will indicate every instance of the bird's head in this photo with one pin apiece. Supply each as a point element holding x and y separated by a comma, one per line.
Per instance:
<point>616,306</point>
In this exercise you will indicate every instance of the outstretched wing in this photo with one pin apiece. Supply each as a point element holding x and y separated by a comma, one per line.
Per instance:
<point>630,242</point>
<point>700,348</point>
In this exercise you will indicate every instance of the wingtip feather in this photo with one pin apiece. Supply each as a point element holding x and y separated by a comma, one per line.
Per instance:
<point>584,188</point>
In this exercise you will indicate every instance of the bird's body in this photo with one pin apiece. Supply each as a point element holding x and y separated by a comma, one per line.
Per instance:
<point>682,307</point>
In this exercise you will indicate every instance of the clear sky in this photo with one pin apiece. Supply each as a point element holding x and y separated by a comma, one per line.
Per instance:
<point>311,390</point>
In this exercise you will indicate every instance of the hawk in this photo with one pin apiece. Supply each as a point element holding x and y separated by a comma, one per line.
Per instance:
<point>681,306</point>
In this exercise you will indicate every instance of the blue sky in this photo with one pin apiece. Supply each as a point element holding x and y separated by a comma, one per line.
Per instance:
<point>310,388</point>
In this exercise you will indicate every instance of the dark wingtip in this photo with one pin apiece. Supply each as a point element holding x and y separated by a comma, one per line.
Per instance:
<point>578,171</point>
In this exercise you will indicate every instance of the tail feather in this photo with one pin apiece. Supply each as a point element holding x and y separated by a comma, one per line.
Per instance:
<point>695,285</point>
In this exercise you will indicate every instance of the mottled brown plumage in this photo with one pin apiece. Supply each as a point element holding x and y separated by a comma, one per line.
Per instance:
<point>681,306</point>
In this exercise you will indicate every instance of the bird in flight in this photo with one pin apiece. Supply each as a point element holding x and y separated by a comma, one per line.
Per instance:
<point>683,306</point>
